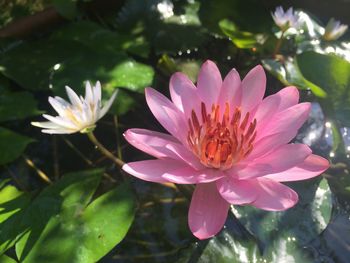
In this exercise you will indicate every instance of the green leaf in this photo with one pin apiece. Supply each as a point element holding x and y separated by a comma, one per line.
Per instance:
<point>101,39</point>
<point>109,217</point>
<point>6,259</point>
<point>132,75</point>
<point>249,15</point>
<point>12,145</point>
<point>38,56</point>
<point>67,197</point>
<point>17,105</point>
<point>57,62</point>
<point>241,39</point>
<point>88,235</point>
<point>12,205</point>
<point>66,8</point>
<point>168,32</point>
<point>169,66</point>
<point>289,73</point>
<point>12,200</point>
<point>113,72</point>
<point>284,233</point>
<point>332,74</point>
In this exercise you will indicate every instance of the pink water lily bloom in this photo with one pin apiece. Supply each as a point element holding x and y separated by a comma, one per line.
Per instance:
<point>228,141</point>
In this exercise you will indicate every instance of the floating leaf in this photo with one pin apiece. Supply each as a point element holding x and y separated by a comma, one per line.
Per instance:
<point>63,215</point>
<point>12,205</point>
<point>17,105</point>
<point>332,74</point>
<point>249,15</point>
<point>241,39</point>
<point>12,145</point>
<point>6,259</point>
<point>289,73</point>
<point>169,66</point>
<point>285,233</point>
<point>66,8</point>
<point>58,61</point>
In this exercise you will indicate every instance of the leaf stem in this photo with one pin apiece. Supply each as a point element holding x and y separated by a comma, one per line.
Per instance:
<point>104,151</point>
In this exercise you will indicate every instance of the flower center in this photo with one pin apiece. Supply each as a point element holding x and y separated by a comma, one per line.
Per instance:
<point>221,142</point>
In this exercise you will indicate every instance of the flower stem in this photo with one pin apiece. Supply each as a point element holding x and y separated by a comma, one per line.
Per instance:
<point>278,45</point>
<point>40,173</point>
<point>103,150</point>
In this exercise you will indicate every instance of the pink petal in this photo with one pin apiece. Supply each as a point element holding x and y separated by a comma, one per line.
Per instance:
<point>208,211</point>
<point>182,153</point>
<point>289,97</point>
<point>283,158</point>
<point>270,143</point>
<point>289,119</point>
<point>184,94</point>
<point>274,196</point>
<point>151,142</point>
<point>188,175</point>
<point>237,192</point>
<point>312,166</point>
<point>167,114</point>
<point>209,83</point>
<point>253,89</point>
<point>275,103</point>
<point>231,91</point>
<point>266,109</point>
<point>152,170</point>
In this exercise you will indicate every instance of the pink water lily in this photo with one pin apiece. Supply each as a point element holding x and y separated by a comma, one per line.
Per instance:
<point>228,141</point>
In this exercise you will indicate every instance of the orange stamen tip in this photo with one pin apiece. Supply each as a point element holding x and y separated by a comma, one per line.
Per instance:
<point>221,144</point>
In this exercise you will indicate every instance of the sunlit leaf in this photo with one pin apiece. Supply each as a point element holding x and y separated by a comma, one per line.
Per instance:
<point>289,73</point>
<point>283,234</point>
<point>169,66</point>
<point>12,204</point>
<point>332,74</point>
<point>241,39</point>
<point>64,215</point>
<point>166,30</point>
<point>6,259</point>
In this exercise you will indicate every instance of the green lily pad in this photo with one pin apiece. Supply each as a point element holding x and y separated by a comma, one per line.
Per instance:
<point>287,231</point>
<point>66,8</point>
<point>12,145</point>
<point>64,214</point>
<point>242,39</point>
<point>289,73</point>
<point>249,15</point>
<point>17,105</point>
<point>6,259</point>
<point>13,203</point>
<point>332,74</point>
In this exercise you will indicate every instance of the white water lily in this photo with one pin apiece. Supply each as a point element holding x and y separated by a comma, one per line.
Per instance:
<point>285,20</point>
<point>80,115</point>
<point>334,30</point>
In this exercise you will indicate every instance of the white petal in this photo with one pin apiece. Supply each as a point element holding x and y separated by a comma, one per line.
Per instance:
<point>59,107</point>
<point>45,125</point>
<point>97,93</point>
<point>58,131</point>
<point>89,97</point>
<point>73,97</point>
<point>106,107</point>
<point>64,123</point>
